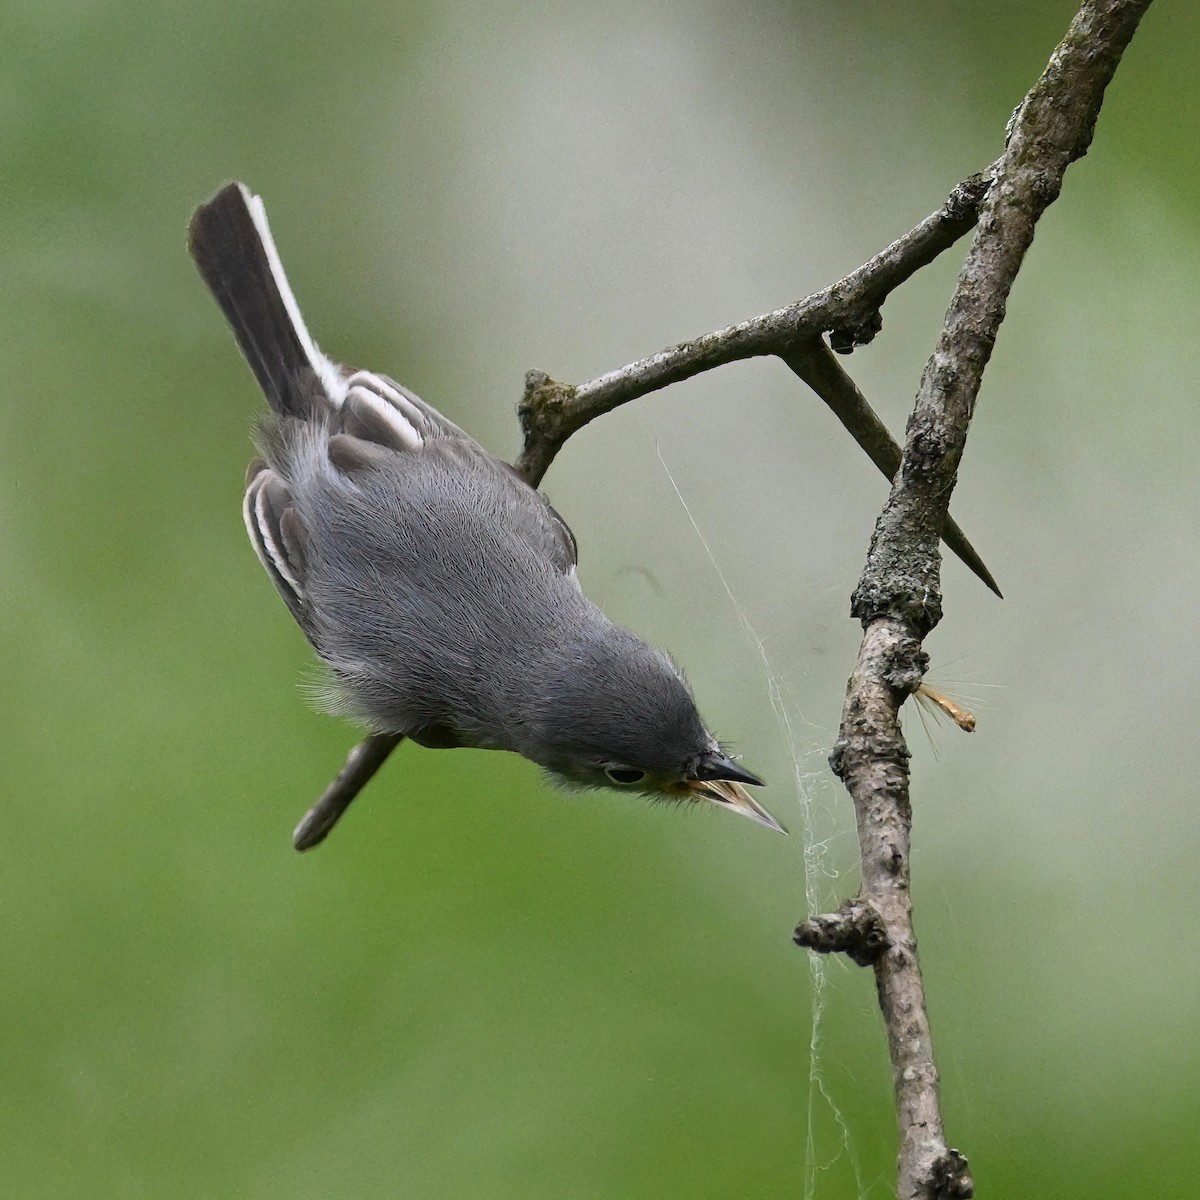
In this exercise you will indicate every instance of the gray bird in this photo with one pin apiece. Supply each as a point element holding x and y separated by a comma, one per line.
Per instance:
<point>437,586</point>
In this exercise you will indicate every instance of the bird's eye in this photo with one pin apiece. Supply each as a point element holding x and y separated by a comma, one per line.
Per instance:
<point>626,776</point>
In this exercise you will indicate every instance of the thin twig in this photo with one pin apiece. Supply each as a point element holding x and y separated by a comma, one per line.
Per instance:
<point>811,361</point>
<point>848,310</point>
<point>898,598</point>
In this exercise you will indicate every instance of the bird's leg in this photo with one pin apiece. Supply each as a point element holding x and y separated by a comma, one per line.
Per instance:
<point>361,764</point>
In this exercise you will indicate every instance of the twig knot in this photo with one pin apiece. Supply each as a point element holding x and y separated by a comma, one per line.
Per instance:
<point>856,930</point>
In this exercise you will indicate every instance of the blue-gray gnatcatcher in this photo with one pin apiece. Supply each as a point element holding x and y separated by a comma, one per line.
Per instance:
<point>435,584</point>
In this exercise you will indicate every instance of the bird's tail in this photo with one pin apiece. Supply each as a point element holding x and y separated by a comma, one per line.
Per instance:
<point>231,242</point>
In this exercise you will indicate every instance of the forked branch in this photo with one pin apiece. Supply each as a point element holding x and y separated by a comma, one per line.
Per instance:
<point>848,311</point>
<point>898,598</point>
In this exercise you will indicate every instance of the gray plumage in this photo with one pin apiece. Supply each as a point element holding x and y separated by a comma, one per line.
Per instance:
<point>435,584</point>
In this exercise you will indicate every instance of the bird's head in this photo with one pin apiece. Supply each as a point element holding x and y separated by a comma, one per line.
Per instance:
<point>619,714</point>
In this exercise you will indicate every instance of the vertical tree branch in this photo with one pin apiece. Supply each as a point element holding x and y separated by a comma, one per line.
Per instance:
<point>898,598</point>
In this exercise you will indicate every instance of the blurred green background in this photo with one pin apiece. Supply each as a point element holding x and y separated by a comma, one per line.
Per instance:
<point>480,987</point>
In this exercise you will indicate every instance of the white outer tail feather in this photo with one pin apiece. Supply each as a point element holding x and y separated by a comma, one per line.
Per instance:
<point>399,412</point>
<point>327,371</point>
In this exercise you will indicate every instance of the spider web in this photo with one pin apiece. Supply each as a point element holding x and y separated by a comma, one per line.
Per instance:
<point>817,870</point>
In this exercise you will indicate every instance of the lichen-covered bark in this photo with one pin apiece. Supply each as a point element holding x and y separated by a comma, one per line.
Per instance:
<point>898,598</point>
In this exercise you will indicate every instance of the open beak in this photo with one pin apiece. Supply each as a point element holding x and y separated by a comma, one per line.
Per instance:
<point>732,796</point>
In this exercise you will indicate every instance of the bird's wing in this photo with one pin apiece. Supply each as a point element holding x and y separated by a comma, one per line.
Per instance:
<point>380,410</point>
<point>278,535</point>
<point>561,548</point>
<point>380,415</point>
<point>541,523</point>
